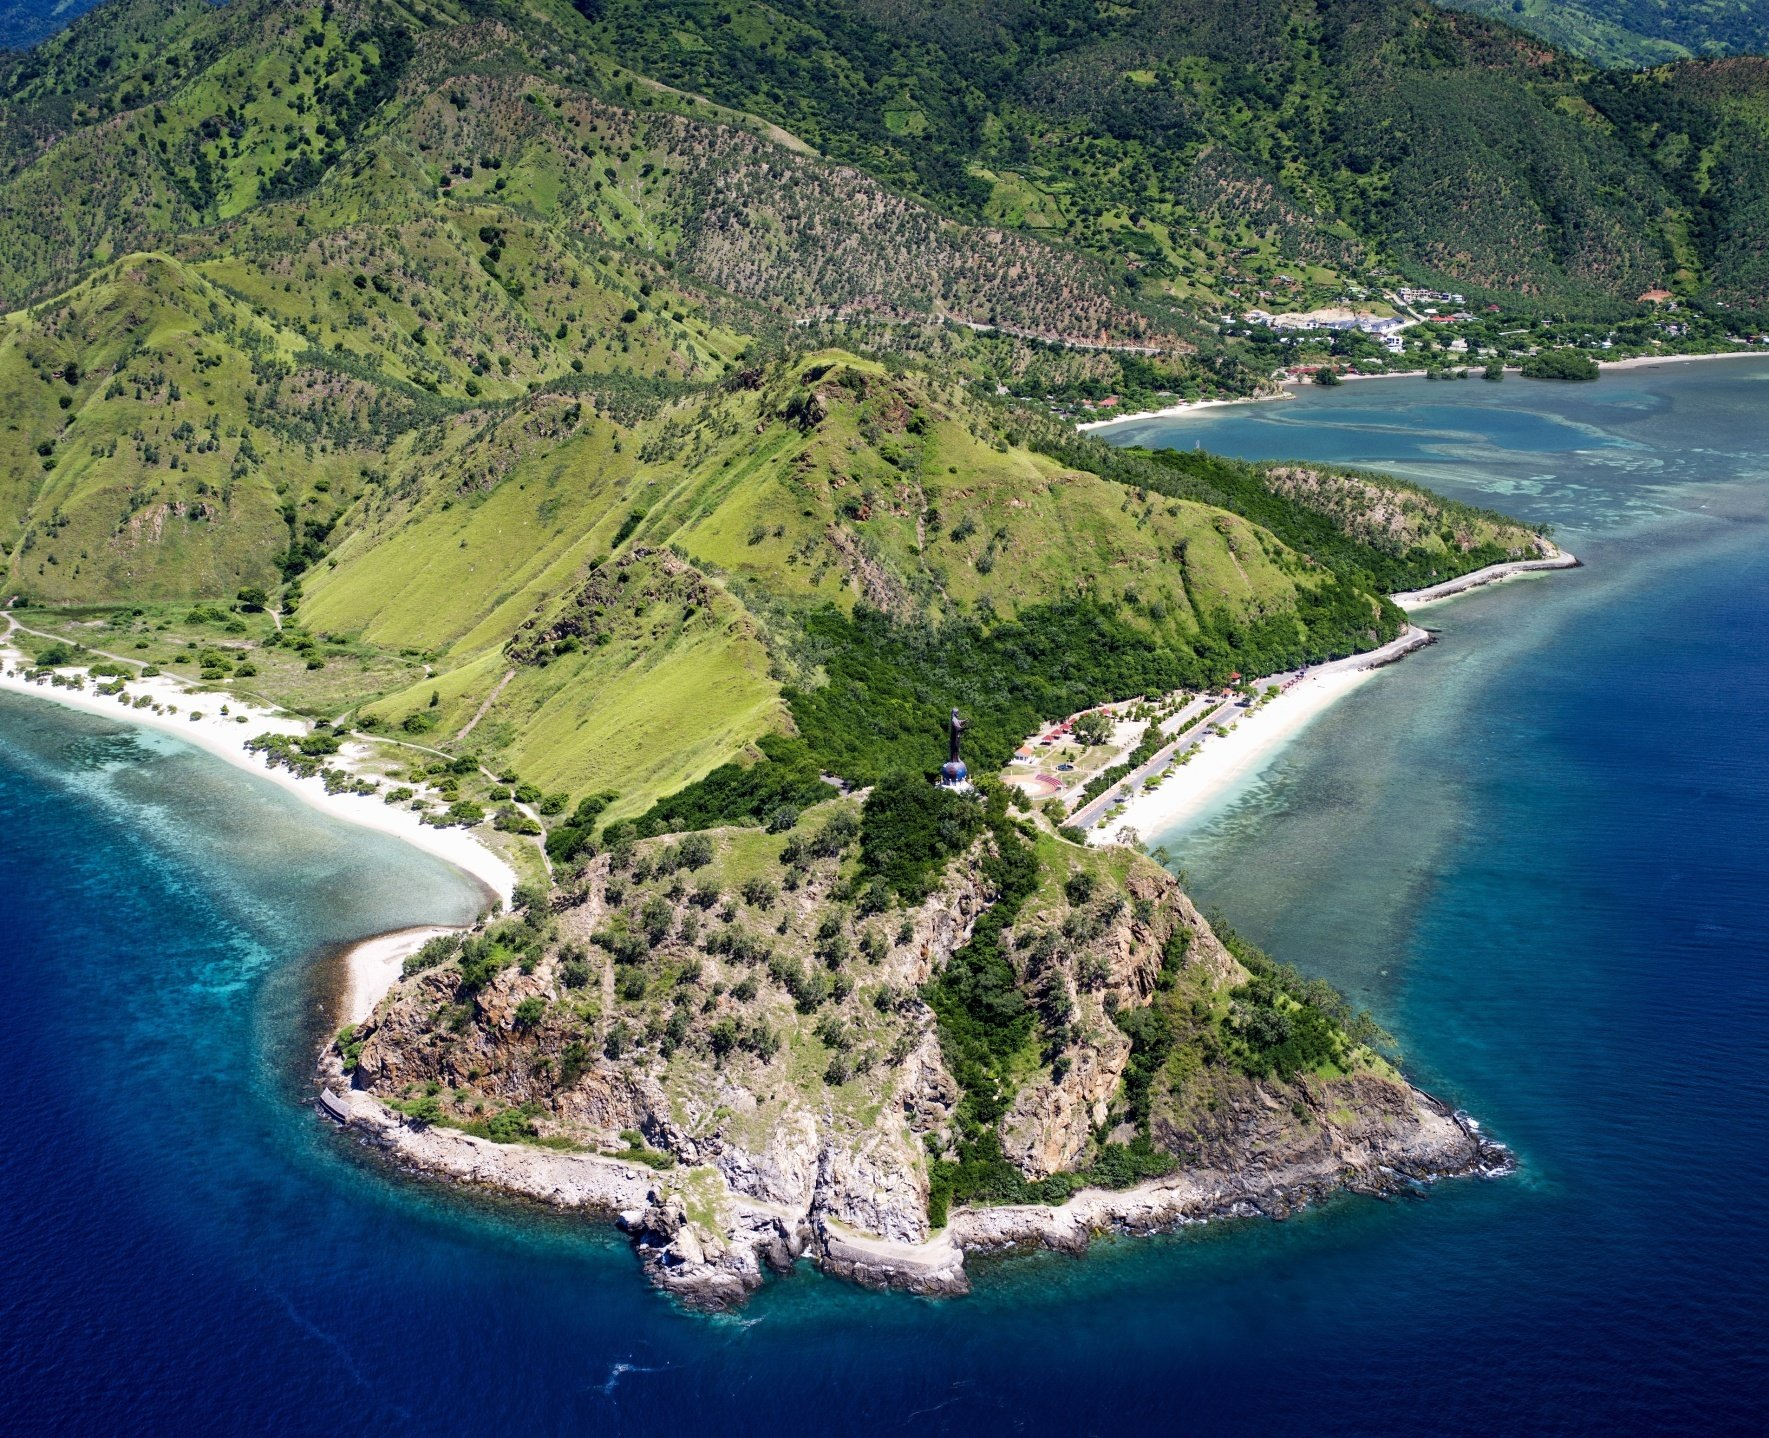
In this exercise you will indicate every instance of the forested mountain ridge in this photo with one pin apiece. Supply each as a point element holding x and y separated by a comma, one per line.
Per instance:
<point>361,295</point>
<point>1631,33</point>
<point>1205,150</point>
<point>1197,160</point>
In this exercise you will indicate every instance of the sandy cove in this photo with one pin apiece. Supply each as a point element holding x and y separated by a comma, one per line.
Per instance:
<point>1222,761</point>
<point>374,966</point>
<point>225,737</point>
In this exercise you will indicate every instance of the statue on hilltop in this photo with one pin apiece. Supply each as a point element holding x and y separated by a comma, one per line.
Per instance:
<point>953,774</point>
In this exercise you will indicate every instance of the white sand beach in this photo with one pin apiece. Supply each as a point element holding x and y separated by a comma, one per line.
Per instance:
<point>225,737</point>
<point>1645,361</point>
<point>1289,387</point>
<point>1185,407</point>
<point>1222,762</point>
<point>373,966</point>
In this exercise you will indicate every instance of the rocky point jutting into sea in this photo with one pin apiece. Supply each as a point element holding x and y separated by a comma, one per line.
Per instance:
<point>1534,849</point>
<point>763,1171</point>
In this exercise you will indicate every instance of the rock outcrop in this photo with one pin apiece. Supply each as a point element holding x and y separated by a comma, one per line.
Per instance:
<point>712,1246</point>
<point>737,1109</point>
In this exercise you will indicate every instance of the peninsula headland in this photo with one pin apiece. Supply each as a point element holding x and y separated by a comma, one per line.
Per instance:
<point>525,428</point>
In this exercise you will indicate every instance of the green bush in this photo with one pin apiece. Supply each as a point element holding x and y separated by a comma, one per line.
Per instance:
<point>910,828</point>
<point>511,820</point>
<point>511,1125</point>
<point>1563,364</point>
<point>787,780</point>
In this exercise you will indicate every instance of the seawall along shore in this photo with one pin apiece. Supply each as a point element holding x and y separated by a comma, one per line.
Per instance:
<point>1492,574</point>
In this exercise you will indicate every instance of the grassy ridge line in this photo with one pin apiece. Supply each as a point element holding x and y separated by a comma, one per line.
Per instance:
<point>1391,534</point>
<point>862,521</point>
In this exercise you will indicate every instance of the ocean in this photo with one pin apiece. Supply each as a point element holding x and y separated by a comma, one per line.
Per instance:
<point>1538,851</point>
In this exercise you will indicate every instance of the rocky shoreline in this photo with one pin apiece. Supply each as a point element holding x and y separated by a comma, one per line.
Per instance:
<point>723,1171</point>
<point>711,1247</point>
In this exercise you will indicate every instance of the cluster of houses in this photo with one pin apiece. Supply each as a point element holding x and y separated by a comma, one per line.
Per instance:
<point>1386,328</point>
<point>1430,297</point>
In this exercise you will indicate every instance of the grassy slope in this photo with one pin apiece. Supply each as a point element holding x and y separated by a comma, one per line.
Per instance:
<point>844,512</point>
<point>486,336</point>
<point>478,234</point>
<point>153,480</point>
<point>1194,158</point>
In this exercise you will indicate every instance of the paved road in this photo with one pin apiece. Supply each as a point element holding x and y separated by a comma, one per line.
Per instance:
<point>1089,813</point>
<point>1230,709</point>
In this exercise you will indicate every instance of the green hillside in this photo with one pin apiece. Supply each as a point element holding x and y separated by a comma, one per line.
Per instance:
<point>1204,152</point>
<point>1632,33</point>
<point>1705,128</point>
<point>599,431</point>
<point>629,431</point>
<point>137,461</point>
<point>832,548</point>
<point>608,567</point>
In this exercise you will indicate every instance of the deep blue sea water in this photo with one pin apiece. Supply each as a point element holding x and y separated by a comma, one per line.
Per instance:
<point>1539,851</point>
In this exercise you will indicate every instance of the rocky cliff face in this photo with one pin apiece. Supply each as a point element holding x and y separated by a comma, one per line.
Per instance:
<point>724,1041</point>
<point>1108,960</point>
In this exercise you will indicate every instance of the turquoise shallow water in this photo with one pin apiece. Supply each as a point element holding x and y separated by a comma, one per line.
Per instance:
<point>1537,851</point>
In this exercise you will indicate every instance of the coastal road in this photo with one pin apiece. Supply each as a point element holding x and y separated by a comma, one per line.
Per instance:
<point>1090,813</point>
